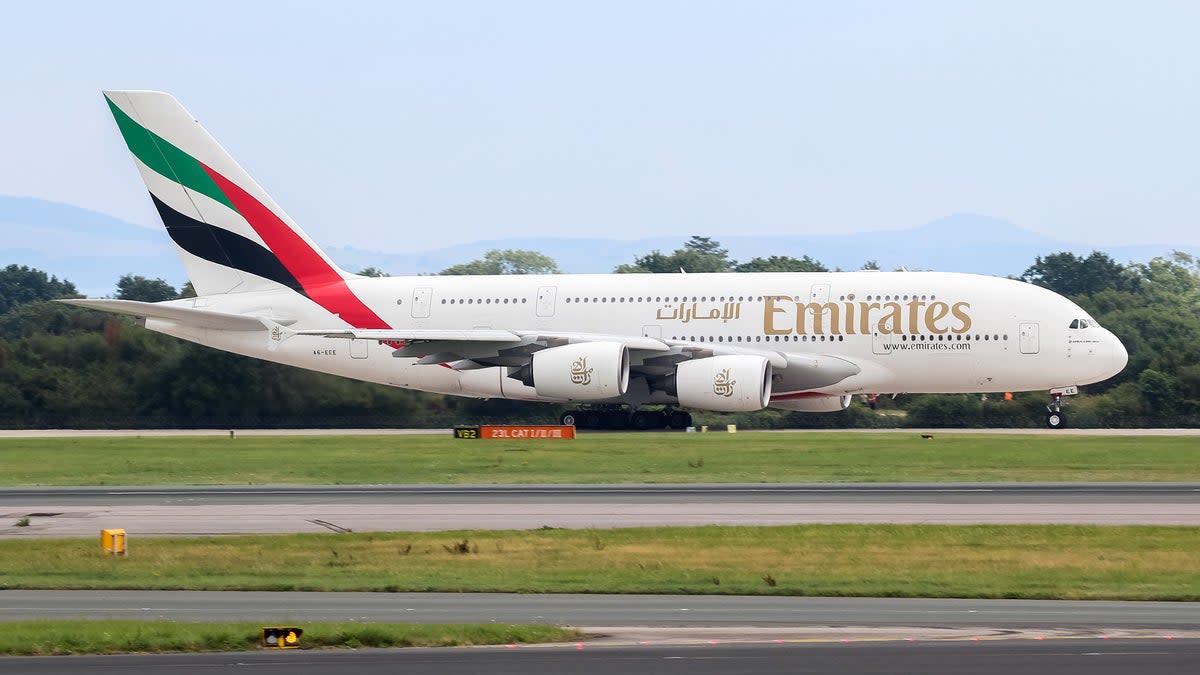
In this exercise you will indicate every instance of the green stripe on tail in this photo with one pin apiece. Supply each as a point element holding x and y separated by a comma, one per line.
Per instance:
<point>164,158</point>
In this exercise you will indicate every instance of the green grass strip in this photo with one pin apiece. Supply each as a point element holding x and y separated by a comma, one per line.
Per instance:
<point>1008,561</point>
<point>36,638</point>
<point>598,458</point>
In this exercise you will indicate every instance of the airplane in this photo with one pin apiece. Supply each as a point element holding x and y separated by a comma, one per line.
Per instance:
<point>612,343</point>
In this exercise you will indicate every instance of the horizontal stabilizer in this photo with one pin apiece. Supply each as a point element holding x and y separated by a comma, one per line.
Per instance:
<point>186,316</point>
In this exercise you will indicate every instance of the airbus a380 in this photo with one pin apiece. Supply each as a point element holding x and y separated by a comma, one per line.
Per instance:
<point>721,342</point>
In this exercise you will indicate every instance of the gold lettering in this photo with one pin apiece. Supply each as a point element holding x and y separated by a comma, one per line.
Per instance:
<point>891,321</point>
<point>959,313</point>
<point>864,315</point>
<point>818,314</point>
<point>934,313</point>
<point>913,306</point>
<point>852,318</point>
<point>769,310</point>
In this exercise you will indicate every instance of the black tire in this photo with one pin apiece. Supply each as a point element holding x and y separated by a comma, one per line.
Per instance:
<point>616,420</point>
<point>586,420</point>
<point>1055,419</point>
<point>678,419</point>
<point>569,418</point>
<point>643,421</point>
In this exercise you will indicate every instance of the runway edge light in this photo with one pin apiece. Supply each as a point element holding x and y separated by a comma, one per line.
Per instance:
<point>281,637</point>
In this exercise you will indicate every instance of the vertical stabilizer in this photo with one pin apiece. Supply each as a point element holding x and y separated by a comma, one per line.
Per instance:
<point>231,235</point>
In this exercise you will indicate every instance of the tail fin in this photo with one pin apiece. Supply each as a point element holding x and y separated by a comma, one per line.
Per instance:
<point>231,235</point>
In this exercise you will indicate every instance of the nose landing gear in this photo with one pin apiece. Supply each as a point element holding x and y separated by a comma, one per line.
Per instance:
<point>1055,418</point>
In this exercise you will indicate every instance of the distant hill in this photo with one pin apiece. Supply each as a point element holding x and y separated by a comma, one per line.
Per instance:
<point>93,250</point>
<point>89,248</point>
<point>958,243</point>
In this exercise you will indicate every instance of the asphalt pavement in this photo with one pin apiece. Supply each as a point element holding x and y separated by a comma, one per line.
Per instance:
<point>1061,657</point>
<point>142,511</point>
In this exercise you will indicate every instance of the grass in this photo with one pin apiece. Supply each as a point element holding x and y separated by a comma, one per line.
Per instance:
<point>1027,561</point>
<point>38,638</point>
<point>599,458</point>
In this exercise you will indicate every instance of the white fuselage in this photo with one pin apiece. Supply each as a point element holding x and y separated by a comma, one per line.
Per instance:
<point>907,331</point>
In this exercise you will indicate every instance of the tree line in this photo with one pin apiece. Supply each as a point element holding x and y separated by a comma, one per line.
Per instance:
<point>63,366</point>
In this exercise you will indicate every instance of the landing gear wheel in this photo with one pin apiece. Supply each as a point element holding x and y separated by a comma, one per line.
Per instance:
<point>645,420</point>
<point>587,420</point>
<point>616,419</point>
<point>678,419</point>
<point>1055,419</point>
<point>568,419</point>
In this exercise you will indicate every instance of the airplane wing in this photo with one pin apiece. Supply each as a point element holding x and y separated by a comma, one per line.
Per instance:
<point>469,349</point>
<point>649,356</point>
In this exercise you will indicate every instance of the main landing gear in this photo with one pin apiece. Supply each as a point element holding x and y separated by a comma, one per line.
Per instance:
<point>617,417</point>
<point>1055,418</point>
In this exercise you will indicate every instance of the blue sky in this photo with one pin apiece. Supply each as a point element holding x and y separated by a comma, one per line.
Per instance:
<point>412,125</point>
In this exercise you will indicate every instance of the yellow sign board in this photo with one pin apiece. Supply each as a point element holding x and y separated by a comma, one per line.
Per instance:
<point>112,542</point>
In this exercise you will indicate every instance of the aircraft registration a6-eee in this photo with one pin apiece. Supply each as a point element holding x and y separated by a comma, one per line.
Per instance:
<point>723,342</point>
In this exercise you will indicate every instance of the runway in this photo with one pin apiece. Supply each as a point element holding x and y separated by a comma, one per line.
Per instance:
<point>659,635</point>
<point>1071,657</point>
<point>127,433</point>
<point>83,511</point>
<point>771,613</point>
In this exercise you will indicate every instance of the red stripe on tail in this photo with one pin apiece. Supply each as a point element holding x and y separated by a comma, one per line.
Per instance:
<point>320,281</point>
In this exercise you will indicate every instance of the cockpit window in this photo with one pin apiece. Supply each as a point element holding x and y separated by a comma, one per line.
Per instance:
<point>1074,323</point>
<point>1080,323</point>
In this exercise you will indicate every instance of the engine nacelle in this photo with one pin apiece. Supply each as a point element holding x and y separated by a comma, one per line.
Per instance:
<point>732,383</point>
<point>816,403</point>
<point>588,371</point>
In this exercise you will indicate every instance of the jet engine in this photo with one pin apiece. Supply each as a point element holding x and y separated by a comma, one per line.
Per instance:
<point>587,371</point>
<point>732,383</point>
<point>817,403</point>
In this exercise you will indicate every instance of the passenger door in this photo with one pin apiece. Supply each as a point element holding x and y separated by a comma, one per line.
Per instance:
<point>1028,338</point>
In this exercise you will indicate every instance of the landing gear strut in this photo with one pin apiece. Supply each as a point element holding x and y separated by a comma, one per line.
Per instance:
<point>1055,418</point>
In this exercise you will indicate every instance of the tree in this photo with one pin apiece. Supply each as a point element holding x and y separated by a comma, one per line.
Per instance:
<point>372,272</point>
<point>507,261</point>
<point>781,263</point>
<point>1072,275</point>
<point>188,291</point>
<point>699,254</point>
<point>136,287</point>
<point>20,284</point>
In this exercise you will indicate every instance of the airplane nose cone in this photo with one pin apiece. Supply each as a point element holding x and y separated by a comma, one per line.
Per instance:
<point>1120,357</point>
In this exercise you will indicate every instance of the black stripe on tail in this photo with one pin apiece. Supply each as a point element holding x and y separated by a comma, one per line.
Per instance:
<point>223,247</point>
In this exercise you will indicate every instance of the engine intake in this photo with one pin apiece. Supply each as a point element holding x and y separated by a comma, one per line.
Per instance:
<point>731,383</point>
<point>588,371</point>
